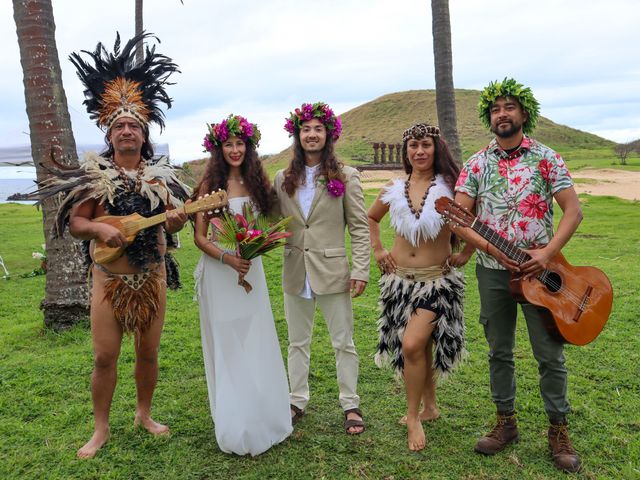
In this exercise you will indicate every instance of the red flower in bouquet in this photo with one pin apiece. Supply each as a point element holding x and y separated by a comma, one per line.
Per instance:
<point>250,235</point>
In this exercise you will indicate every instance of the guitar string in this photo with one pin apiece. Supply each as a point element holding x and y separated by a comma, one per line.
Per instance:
<point>131,228</point>
<point>518,255</point>
<point>514,252</point>
<point>579,300</point>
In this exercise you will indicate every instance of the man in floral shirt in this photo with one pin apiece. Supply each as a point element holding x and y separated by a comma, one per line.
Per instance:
<point>511,185</point>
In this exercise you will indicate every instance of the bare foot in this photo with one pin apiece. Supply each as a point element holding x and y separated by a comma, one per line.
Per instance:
<point>426,415</point>
<point>97,440</point>
<point>415,435</point>
<point>150,425</point>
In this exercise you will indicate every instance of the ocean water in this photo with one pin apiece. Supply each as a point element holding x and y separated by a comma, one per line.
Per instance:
<point>9,186</point>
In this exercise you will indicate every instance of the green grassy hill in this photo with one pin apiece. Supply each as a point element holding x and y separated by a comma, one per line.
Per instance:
<point>385,118</point>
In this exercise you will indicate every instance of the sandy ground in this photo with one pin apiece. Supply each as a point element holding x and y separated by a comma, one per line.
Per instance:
<point>617,183</point>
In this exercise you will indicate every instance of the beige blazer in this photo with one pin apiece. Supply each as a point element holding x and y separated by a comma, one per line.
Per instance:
<point>317,244</point>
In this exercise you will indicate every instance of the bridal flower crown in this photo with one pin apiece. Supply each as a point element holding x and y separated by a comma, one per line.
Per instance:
<point>319,110</point>
<point>233,125</point>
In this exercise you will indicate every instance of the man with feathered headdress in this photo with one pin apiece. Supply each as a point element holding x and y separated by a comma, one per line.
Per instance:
<point>128,294</point>
<point>512,184</point>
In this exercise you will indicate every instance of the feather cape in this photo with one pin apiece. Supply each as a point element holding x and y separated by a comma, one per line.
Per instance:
<point>97,179</point>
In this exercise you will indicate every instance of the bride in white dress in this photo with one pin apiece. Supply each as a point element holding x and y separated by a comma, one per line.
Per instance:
<point>246,380</point>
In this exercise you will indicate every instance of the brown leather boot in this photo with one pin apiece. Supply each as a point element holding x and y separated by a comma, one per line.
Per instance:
<point>503,433</point>
<point>564,455</point>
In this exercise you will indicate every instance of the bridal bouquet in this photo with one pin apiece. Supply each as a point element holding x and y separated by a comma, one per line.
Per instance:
<point>249,235</point>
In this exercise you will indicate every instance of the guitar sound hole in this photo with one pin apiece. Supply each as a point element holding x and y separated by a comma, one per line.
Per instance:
<point>552,281</point>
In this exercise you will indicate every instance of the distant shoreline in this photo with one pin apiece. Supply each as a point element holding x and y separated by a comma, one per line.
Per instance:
<point>15,186</point>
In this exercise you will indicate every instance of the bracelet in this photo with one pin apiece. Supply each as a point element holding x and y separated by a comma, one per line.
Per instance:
<point>224,252</point>
<point>486,248</point>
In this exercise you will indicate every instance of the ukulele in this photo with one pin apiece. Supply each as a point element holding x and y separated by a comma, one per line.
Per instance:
<point>130,225</point>
<point>578,299</point>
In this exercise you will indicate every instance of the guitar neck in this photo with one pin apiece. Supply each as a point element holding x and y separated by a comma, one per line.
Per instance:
<point>151,221</point>
<point>147,222</point>
<point>501,243</point>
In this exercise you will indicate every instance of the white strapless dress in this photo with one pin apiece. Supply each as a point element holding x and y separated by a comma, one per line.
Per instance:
<point>246,379</point>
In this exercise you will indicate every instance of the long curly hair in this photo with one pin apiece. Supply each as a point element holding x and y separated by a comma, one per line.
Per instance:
<point>216,175</point>
<point>443,164</point>
<point>330,166</point>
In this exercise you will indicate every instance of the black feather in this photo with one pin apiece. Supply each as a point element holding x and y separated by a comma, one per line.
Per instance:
<point>103,67</point>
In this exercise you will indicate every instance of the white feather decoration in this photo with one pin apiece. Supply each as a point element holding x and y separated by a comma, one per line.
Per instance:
<point>428,226</point>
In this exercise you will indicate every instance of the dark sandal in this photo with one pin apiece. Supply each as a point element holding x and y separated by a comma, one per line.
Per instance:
<point>353,423</point>
<point>298,413</point>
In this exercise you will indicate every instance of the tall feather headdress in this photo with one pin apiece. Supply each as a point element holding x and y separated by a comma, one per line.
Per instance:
<point>117,86</point>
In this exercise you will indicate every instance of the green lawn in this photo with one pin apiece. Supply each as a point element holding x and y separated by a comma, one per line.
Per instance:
<point>45,405</point>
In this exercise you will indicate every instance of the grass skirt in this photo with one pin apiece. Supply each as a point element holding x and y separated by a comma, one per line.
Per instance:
<point>399,299</point>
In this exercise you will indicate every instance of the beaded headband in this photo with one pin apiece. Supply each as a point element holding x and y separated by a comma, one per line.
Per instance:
<point>232,126</point>
<point>421,130</point>
<point>509,88</point>
<point>319,110</point>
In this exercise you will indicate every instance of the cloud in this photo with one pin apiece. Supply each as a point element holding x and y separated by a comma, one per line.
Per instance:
<point>262,58</point>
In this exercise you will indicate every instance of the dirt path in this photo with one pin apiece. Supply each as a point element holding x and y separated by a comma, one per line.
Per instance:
<point>618,183</point>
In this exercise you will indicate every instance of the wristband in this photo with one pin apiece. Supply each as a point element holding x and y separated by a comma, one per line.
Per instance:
<point>224,252</point>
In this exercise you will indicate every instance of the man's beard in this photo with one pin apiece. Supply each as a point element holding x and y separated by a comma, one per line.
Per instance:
<point>506,133</point>
<point>127,148</point>
<point>313,149</point>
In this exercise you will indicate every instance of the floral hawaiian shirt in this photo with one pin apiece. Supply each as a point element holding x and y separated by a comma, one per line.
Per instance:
<point>514,193</point>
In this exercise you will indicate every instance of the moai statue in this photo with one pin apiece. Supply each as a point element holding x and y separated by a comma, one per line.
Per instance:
<point>391,149</point>
<point>376,146</point>
<point>383,157</point>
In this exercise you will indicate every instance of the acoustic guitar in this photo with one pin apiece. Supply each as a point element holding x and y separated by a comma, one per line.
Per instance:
<point>130,225</point>
<point>578,299</point>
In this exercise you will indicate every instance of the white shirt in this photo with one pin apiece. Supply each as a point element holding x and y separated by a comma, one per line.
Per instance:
<point>306,193</point>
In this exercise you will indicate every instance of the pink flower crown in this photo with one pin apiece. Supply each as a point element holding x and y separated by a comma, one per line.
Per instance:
<point>319,110</point>
<point>232,126</point>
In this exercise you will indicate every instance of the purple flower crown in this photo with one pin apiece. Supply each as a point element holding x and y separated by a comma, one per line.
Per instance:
<point>319,110</point>
<point>233,125</point>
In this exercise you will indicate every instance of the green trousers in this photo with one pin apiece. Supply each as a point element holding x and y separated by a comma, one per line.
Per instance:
<point>498,313</point>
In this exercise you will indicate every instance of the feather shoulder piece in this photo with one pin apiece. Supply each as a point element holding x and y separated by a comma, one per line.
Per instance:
<point>97,179</point>
<point>428,226</point>
<point>161,185</point>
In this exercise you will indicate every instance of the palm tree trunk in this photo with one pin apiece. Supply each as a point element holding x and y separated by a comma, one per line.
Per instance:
<point>139,28</point>
<point>445,93</point>
<point>66,295</point>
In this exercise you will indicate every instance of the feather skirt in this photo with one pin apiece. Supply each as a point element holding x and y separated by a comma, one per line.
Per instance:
<point>399,299</point>
<point>135,309</point>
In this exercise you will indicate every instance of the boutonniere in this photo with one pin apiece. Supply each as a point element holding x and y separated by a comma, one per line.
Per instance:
<point>335,187</point>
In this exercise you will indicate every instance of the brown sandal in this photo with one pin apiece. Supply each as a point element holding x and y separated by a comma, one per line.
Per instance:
<point>348,423</point>
<point>298,413</point>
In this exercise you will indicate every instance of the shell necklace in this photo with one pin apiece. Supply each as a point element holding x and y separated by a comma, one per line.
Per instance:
<point>129,183</point>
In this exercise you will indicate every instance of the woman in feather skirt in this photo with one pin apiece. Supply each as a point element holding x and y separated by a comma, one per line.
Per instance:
<point>421,324</point>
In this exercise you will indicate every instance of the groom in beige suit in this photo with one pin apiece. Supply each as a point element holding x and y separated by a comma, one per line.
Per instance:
<point>324,198</point>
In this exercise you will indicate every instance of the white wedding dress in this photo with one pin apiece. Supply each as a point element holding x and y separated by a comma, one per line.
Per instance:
<point>248,390</point>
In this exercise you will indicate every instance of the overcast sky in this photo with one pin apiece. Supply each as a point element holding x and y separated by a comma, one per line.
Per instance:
<point>262,58</point>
